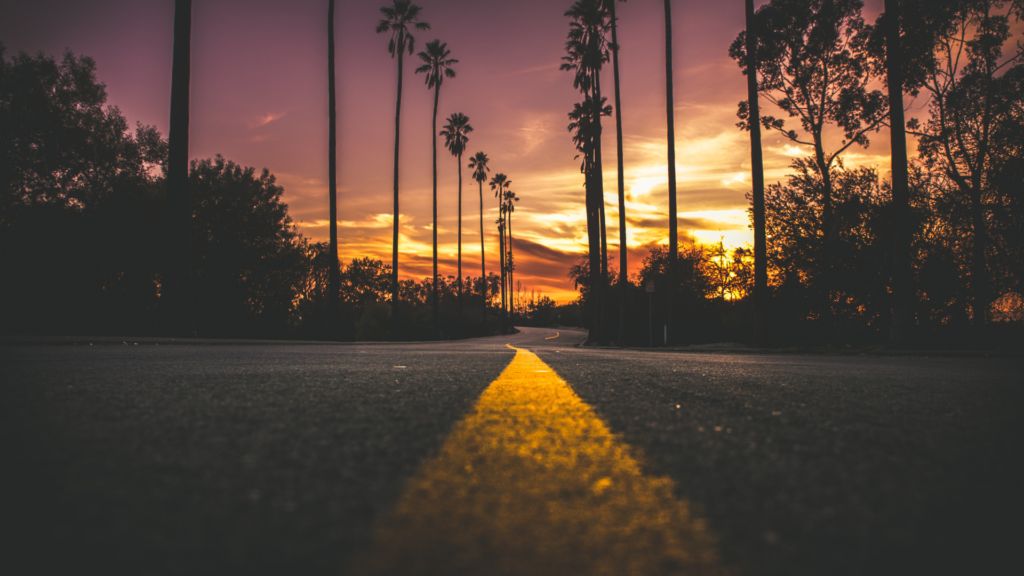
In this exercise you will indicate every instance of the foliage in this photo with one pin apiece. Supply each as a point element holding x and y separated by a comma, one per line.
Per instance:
<point>811,58</point>
<point>397,19</point>
<point>58,144</point>
<point>248,257</point>
<point>972,139</point>
<point>79,206</point>
<point>702,314</point>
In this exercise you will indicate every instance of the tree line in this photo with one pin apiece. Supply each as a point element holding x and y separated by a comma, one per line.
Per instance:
<point>840,254</point>
<point>83,212</point>
<point>399,20</point>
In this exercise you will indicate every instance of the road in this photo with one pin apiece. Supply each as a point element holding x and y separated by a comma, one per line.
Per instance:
<point>509,455</point>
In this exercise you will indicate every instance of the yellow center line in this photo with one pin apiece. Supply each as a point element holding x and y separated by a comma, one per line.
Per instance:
<point>552,337</point>
<point>533,482</point>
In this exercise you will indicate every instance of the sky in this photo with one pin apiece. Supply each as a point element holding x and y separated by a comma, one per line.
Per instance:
<point>259,98</point>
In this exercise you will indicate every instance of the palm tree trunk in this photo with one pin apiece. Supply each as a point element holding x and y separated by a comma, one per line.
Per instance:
<point>501,246</point>
<point>511,272</point>
<point>757,180</point>
<point>483,265</point>
<point>599,184</point>
<point>623,269</point>
<point>673,234</point>
<point>594,247</point>
<point>175,282</point>
<point>394,227</point>
<point>334,280</point>
<point>460,234</point>
<point>902,276</point>
<point>433,141</point>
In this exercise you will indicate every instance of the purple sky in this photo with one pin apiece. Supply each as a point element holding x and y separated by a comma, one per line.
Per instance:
<point>259,97</point>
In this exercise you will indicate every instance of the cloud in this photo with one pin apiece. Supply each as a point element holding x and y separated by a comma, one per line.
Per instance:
<point>371,221</point>
<point>265,119</point>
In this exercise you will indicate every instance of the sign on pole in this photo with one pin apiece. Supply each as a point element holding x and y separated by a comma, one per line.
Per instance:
<point>650,286</point>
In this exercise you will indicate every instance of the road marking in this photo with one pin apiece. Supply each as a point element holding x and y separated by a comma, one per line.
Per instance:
<point>553,337</point>
<point>532,482</point>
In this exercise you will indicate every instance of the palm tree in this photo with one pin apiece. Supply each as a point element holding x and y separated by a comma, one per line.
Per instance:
<point>455,139</point>
<point>673,220</point>
<point>499,184</point>
<point>397,19</point>
<point>436,66</point>
<point>504,270</point>
<point>176,289</point>
<point>757,180</point>
<point>478,163</point>
<point>587,52</point>
<point>334,279</point>
<point>510,207</point>
<point>623,294</point>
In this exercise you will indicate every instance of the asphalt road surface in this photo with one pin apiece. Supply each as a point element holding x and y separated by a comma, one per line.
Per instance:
<point>476,457</point>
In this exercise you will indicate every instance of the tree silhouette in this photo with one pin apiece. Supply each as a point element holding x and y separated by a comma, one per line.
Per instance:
<point>583,129</point>
<point>455,139</point>
<point>478,163</point>
<point>176,283</point>
<point>975,104</point>
<point>436,66</point>
<point>812,67</point>
<point>757,182</point>
<point>249,255</point>
<point>334,279</point>
<point>587,50</point>
<point>673,219</point>
<point>903,47</point>
<point>397,19</point>
<point>902,276</point>
<point>510,207</point>
<point>81,205</point>
<point>623,266</point>
<point>500,183</point>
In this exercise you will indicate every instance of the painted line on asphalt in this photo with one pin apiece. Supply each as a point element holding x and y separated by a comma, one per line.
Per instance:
<point>552,337</point>
<point>533,482</point>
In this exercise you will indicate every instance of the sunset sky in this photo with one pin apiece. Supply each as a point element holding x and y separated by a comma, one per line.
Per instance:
<point>259,97</point>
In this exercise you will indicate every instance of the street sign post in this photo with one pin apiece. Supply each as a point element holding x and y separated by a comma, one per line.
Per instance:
<point>650,327</point>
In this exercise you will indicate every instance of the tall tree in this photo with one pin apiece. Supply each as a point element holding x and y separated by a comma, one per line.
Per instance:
<point>757,181</point>
<point>436,67</point>
<point>397,19</point>
<point>811,66</point>
<point>334,279</point>
<point>975,103</point>
<point>478,164</point>
<point>510,207</point>
<point>587,49</point>
<point>176,282</point>
<point>582,128</point>
<point>673,219</point>
<point>623,265</point>
<point>903,47</point>
<point>500,183</point>
<point>455,134</point>
<point>902,275</point>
